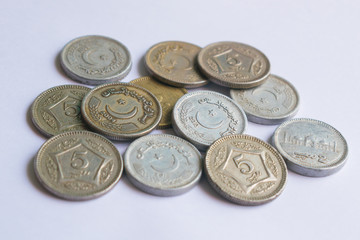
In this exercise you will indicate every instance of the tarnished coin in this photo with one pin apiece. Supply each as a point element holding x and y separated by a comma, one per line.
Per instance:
<point>245,170</point>
<point>78,165</point>
<point>57,110</point>
<point>273,102</point>
<point>174,63</point>
<point>163,165</point>
<point>204,116</point>
<point>95,60</point>
<point>121,111</point>
<point>234,65</point>
<point>311,147</point>
<point>166,95</point>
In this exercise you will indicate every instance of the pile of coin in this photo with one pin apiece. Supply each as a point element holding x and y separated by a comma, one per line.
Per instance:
<point>79,162</point>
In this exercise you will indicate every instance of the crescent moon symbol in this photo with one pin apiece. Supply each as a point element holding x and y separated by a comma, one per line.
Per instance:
<point>86,57</point>
<point>121,115</point>
<point>174,165</point>
<point>209,125</point>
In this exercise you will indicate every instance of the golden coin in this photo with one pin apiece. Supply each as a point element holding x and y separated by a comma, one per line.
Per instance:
<point>57,110</point>
<point>174,63</point>
<point>121,111</point>
<point>166,95</point>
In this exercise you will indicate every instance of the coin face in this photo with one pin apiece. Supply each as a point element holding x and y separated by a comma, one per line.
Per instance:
<point>273,102</point>
<point>78,165</point>
<point>245,170</point>
<point>174,63</point>
<point>163,165</point>
<point>95,60</point>
<point>311,147</point>
<point>121,111</point>
<point>165,94</point>
<point>234,65</point>
<point>57,110</point>
<point>204,116</point>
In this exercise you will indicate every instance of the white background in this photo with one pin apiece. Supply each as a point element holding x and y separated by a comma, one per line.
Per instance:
<point>313,44</point>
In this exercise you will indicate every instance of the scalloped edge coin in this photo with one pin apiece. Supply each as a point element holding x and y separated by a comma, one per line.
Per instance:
<point>67,194</point>
<point>222,79</point>
<point>229,194</point>
<point>35,118</point>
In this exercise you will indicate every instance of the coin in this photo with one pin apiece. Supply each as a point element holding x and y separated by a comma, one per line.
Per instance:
<point>174,63</point>
<point>57,110</point>
<point>78,165</point>
<point>311,147</point>
<point>95,60</point>
<point>245,170</point>
<point>273,102</point>
<point>163,165</point>
<point>121,111</point>
<point>201,117</point>
<point>166,95</point>
<point>234,65</point>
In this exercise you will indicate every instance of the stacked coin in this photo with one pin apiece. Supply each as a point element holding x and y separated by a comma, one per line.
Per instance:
<point>78,165</point>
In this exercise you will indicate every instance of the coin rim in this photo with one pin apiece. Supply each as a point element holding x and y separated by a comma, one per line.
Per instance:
<point>141,79</point>
<point>268,120</point>
<point>200,144</point>
<point>170,80</point>
<point>118,136</point>
<point>251,201</point>
<point>159,191</point>
<point>222,81</point>
<point>67,196</point>
<point>307,170</point>
<point>35,117</point>
<point>95,81</point>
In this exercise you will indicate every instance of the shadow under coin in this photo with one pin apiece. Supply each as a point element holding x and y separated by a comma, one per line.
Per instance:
<point>58,66</point>
<point>217,88</point>
<point>141,67</point>
<point>31,124</point>
<point>33,179</point>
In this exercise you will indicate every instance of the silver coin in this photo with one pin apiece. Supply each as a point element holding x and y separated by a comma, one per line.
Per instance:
<point>78,165</point>
<point>245,170</point>
<point>234,65</point>
<point>95,60</point>
<point>201,117</point>
<point>311,147</point>
<point>163,165</point>
<point>273,102</point>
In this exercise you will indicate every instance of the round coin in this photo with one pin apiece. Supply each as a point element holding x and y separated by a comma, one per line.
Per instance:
<point>163,165</point>
<point>234,65</point>
<point>204,116</point>
<point>121,111</point>
<point>245,170</point>
<point>311,147</point>
<point>273,102</point>
<point>57,110</point>
<point>95,60</point>
<point>167,96</point>
<point>78,165</point>
<point>174,63</point>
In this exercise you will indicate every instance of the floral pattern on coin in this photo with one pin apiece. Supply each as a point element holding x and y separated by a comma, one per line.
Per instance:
<point>95,60</point>
<point>57,110</point>
<point>121,111</point>
<point>311,147</point>
<point>234,65</point>
<point>174,63</point>
<point>245,170</point>
<point>163,164</point>
<point>78,165</point>
<point>273,102</point>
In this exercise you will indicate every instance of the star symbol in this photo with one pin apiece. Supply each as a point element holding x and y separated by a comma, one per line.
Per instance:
<point>121,101</point>
<point>212,113</point>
